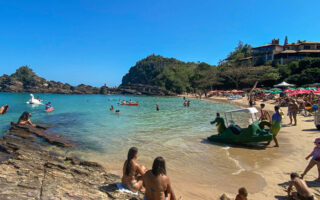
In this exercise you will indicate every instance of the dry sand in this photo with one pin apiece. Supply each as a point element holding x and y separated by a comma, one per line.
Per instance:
<point>273,164</point>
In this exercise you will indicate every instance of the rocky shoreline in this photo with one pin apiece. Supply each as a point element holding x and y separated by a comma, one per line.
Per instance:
<point>8,84</point>
<point>28,171</point>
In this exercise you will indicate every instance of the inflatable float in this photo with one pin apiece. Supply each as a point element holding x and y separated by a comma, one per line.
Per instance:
<point>233,134</point>
<point>33,100</point>
<point>49,109</point>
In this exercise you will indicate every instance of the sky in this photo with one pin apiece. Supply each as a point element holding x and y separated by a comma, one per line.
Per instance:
<point>97,41</point>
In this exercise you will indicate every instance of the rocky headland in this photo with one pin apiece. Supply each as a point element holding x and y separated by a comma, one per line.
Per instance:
<point>24,80</point>
<point>29,171</point>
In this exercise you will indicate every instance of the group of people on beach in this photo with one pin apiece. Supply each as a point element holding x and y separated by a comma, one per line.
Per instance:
<point>154,183</point>
<point>303,192</point>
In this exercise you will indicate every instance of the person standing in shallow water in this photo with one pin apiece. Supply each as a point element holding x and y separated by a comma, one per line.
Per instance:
<point>157,183</point>
<point>133,172</point>
<point>157,107</point>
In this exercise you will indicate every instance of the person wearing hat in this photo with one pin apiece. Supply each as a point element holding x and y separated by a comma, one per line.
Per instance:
<point>315,154</point>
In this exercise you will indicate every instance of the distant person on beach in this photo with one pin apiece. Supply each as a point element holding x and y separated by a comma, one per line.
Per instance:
<point>24,119</point>
<point>303,191</point>
<point>265,116</point>
<point>242,194</point>
<point>4,109</point>
<point>157,107</point>
<point>293,109</point>
<point>315,154</point>
<point>133,172</point>
<point>275,125</point>
<point>111,108</point>
<point>157,183</point>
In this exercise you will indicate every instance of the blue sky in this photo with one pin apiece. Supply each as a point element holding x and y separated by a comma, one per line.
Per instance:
<point>97,41</point>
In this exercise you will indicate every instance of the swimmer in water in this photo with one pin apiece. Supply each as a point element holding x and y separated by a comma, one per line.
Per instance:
<point>111,108</point>
<point>157,107</point>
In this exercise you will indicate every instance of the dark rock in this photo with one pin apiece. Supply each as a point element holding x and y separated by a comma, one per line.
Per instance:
<point>32,172</point>
<point>29,132</point>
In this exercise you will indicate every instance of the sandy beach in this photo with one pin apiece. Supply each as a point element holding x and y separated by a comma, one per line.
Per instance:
<point>273,164</point>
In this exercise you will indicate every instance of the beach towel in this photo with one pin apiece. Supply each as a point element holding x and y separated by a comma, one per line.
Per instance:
<point>125,190</point>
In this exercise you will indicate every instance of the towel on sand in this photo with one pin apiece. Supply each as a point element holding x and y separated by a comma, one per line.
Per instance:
<point>125,190</point>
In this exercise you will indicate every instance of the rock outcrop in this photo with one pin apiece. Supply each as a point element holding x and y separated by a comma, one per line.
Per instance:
<point>28,171</point>
<point>25,80</point>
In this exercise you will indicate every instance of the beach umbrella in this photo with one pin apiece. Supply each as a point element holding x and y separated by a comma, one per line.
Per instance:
<point>288,91</point>
<point>311,88</point>
<point>283,84</point>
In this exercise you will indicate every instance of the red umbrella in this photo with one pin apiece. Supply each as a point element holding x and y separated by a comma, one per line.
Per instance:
<point>288,91</point>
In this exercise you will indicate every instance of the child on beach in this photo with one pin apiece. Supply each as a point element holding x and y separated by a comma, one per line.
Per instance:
<point>242,194</point>
<point>315,154</point>
<point>303,191</point>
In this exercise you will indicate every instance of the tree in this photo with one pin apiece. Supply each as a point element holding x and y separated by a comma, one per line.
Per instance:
<point>235,74</point>
<point>261,73</point>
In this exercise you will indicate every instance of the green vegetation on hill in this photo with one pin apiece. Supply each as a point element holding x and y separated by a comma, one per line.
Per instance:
<point>25,75</point>
<point>232,72</point>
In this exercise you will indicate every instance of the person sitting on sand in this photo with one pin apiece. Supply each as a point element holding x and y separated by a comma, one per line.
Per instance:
<point>265,116</point>
<point>275,125</point>
<point>242,194</point>
<point>4,109</point>
<point>157,183</point>
<point>133,172</point>
<point>315,154</point>
<point>303,191</point>
<point>111,108</point>
<point>24,119</point>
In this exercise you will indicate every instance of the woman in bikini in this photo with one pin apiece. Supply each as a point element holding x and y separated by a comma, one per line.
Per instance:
<point>157,183</point>
<point>24,119</point>
<point>133,172</point>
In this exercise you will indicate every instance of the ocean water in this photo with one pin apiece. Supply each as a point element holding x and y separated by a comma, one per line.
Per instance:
<point>176,132</point>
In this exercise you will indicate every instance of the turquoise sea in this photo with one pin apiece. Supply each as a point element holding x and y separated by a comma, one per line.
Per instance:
<point>175,132</point>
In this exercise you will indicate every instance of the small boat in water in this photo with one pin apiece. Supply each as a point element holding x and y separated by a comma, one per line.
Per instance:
<point>129,104</point>
<point>233,134</point>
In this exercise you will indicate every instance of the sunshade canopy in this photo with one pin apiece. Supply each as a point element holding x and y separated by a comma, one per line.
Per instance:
<point>245,110</point>
<point>283,84</point>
